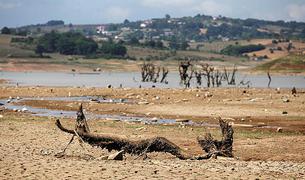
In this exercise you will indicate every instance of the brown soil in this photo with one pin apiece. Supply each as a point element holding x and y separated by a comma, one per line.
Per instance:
<point>30,143</point>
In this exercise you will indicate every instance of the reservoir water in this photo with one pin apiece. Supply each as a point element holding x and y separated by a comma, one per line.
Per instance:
<point>133,79</point>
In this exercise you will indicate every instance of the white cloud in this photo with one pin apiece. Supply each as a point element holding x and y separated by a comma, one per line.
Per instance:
<point>117,13</point>
<point>210,7</point>
<point>296,12</point>
<point>167,3</point>
<point>9,5</point>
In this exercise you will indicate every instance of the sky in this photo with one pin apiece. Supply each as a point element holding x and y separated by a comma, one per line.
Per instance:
<point>14,13</point>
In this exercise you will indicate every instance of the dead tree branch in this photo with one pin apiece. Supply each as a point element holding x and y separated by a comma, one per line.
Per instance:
<point>157,144</point>
<point>219,148</point>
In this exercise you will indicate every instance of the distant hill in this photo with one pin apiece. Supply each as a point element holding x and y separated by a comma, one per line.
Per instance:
<point>200,28</point>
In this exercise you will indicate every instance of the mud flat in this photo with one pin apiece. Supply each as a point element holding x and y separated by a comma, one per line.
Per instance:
<point>29,142</point>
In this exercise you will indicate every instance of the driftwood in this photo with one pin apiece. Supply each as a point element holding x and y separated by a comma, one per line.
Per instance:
<point>157,144</point>
<point>219,148</point>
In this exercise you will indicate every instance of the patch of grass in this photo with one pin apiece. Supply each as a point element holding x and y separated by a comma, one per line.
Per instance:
<point>260,134</point>
<point>291,63</point>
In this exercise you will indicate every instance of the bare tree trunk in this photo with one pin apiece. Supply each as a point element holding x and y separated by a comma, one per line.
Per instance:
<point>269,77</point>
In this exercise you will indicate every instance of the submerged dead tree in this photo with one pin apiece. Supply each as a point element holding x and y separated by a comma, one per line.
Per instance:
<point>230,77</point>
<point>269,78</point>
<point>151,73</point>
<point>186,72</point>
<point>223,147</point>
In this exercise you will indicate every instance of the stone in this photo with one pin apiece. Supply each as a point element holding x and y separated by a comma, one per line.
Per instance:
<point>143,103</point>
<point>24,109</point>
<point>279,130</point>
<point>208,94</point>
<point>182,120</point>
<point>118,156</point>
<point>45,152</point>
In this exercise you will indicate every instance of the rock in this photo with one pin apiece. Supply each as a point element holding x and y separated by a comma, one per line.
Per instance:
<point>279,130</point>
<point>182,120</point>
<point>225,158</point>
<point>278,90</point>
<point>284,112</point>
<point>155,119</point>
<point>45,152</point>
<point>116,156</point>
<point>109,86</point>
<point>157,97</point>
<point>143,103</point>
<point>141,128</point>
<point>18,98</point>
<point>24,109</point>
<point>208,94</point>
<point>15,110</point>
<point>285,100</point>
<point>227,100</point>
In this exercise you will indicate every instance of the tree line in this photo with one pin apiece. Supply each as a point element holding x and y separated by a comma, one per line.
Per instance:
<point>74,43</point>
<point>237,50</point>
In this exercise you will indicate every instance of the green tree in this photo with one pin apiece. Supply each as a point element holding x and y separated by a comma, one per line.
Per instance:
<point>5,30</point>
<point>113,49</point>
<point>39,50</point>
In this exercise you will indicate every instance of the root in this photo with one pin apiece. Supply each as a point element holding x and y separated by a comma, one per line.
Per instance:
<point>219,148</point>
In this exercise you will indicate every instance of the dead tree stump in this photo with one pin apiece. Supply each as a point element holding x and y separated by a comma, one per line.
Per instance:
<point>219,148</point>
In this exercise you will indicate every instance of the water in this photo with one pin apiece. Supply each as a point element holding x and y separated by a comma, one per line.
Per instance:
<point>44,112</point>
<point>132,79</point>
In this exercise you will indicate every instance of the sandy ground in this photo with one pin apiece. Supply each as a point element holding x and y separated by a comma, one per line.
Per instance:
<point>28,146</point>
<point>28,143</point>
